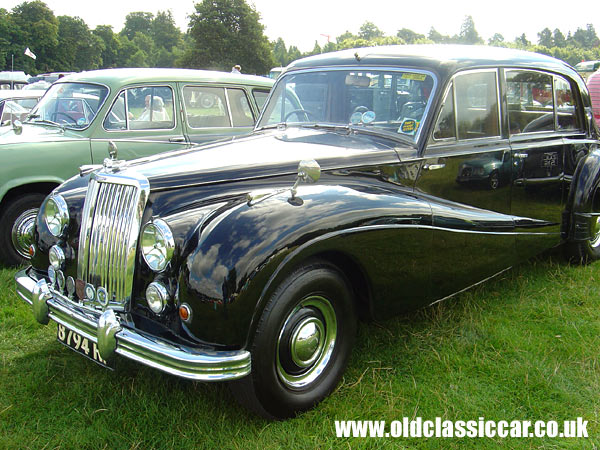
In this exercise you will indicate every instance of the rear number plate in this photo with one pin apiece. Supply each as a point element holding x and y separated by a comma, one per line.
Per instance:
<point>80,344</point>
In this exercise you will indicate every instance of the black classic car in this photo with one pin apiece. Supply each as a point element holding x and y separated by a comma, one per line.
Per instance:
<point>251,261</point>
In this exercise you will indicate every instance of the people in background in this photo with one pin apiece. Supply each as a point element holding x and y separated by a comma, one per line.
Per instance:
<point>154,110</point>
<point>236,69</point>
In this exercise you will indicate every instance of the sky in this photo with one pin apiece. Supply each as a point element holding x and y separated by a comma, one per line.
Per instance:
<point>302,22</point>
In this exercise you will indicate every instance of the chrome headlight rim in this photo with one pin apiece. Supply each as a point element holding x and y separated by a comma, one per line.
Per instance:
<point>158,262</point>
<point>157,291</point>
<point>58,221</point>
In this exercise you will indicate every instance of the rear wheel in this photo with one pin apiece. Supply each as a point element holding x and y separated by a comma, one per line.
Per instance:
<point>302,343</point>
<point>16,228</point>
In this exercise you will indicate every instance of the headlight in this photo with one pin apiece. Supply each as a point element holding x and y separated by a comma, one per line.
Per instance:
<point>478,171</point>
<point>157,244</point>
<point>56,215</point>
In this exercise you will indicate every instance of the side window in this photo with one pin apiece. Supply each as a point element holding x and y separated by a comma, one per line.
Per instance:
<point>477,113</point>
<point>241,114</point>
<point>116,117</point>
<point>206,107</point>
<point>530,101</point>
<point>565,105</point>
<point>142,108</point>
<point>445,128</point>
<point>260,97</point>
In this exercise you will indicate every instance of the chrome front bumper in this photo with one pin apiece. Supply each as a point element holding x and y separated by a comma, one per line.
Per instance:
<point>113,338</point>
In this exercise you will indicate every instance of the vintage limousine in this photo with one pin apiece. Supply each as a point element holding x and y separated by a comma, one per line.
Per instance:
<point>251,261</point>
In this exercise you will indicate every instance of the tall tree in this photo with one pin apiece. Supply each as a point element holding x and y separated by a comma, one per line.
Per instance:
<point>280,53</point>
<point>558,38</point>
<point>164,31</point>
<point>111,45</point>
<point>39,28</point>
<point>468,33</point>
<point>137,22</point>
<point>496,40</point>
<point>226,33</point>
<point>78,49</point>
<point>368,31</point>
<point>545,38</point>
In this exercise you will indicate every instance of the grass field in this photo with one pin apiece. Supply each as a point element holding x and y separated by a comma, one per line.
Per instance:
<point>521,347</point>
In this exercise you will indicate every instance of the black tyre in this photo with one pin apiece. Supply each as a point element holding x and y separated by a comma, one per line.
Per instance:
<point>302,343</point>
<point>16,226</point>
<point>585,252</point>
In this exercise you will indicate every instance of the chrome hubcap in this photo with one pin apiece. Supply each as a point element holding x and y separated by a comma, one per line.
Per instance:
<point>306,342</point>
<point>22,232</point>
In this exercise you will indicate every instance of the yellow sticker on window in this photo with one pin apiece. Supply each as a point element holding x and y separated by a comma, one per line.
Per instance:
<point>414,76</point>
<point>408,126</point>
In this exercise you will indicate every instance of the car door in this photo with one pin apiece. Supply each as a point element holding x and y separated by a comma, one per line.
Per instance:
<point>213,112</point>
<point>466,172</point>
<point>538,152</point>
<point>142,121</point>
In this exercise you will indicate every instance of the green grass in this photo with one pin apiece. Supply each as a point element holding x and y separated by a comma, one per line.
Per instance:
<point>521,347</point>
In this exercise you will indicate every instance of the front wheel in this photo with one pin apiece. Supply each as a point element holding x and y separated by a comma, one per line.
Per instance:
<point>588,251</point>
<point>16,228</point>
<point>302,343</point>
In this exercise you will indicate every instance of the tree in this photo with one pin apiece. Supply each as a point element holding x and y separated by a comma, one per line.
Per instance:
<point>545,38</point>
<point>39,28</point>
<point>164,31</point>
<point>137,22</point>
<point>437,37</point>
<point>468,33</point>
<point>78,49</point>
<point>409,36</point>
<point>111,45</point>
<point>496,40</point>
<point>368,32</point>
<point>585,38</point>
<point>226,33</point>
<point>280,53</point>
<point>558,39</point>
<point>522,41</point>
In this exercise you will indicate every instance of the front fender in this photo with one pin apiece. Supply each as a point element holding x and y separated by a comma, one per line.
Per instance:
<point>244,252</point>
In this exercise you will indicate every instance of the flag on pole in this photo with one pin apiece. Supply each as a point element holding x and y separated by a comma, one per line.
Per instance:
<point>30,53</point>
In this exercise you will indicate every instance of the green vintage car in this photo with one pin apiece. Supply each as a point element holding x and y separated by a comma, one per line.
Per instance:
<point>142,111</point>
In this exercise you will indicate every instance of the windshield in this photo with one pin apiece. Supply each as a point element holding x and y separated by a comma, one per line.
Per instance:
<point>73,105</point>
<point>391,101</point>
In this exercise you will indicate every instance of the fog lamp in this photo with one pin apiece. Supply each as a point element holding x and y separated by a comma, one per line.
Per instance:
<point>157,297</point>
<point>56,256</point>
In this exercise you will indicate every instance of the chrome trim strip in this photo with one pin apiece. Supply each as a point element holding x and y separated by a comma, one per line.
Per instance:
<point>179,360</point>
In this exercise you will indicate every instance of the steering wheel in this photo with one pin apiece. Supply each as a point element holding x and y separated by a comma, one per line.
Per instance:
<point>306,113</point>
<point>59,113</point>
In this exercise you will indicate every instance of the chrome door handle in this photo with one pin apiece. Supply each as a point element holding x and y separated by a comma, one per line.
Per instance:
<point>433,166</point>
<point>177,139</point>
<point>521,155</point>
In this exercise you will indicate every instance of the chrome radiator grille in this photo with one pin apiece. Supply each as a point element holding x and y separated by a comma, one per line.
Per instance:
<point>110,225</point>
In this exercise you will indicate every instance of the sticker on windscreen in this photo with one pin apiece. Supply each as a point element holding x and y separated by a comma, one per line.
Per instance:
<point>414,76</point>
<point>408,126</point>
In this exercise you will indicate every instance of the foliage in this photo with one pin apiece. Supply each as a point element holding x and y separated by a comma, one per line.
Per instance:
<point>226,33</point>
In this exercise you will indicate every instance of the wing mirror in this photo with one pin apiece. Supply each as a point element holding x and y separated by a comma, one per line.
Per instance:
<point>309,171</point>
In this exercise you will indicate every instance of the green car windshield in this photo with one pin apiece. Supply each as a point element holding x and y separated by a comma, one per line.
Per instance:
<point>71,105</point>
<point>393,101</point>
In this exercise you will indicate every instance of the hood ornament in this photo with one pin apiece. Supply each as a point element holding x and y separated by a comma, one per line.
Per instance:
<point>17,127</point>
<point>112,163</point>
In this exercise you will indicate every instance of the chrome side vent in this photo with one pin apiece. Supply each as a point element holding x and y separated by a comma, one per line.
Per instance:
<point>110,226</point>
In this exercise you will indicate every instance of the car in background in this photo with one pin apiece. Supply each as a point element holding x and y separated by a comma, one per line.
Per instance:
<point>586,68</point>
<point>15,104</point>
<point>141,111</point>
<point>593,84</point>
<point>13,80</point>
<point>251,260</point>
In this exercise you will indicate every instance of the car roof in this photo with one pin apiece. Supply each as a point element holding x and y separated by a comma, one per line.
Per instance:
<point>123,77</point>
<point>21,93</point>
<point>443,59</point>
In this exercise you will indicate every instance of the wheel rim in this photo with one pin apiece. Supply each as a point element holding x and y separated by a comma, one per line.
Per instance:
<point>22,232</point>
<point>595,241</point>
<point>306,342</point>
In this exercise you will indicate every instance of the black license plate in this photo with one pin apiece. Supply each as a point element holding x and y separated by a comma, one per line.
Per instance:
<point>80,344</point>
